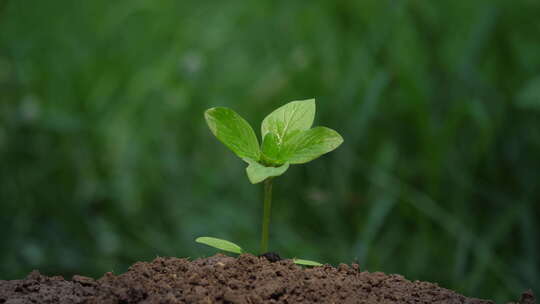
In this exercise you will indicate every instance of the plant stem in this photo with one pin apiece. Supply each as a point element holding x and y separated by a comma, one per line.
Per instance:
<point>266,215</point>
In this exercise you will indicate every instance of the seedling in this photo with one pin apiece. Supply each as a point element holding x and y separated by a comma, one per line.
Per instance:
<point>287,139</point>
<point>233,248</point>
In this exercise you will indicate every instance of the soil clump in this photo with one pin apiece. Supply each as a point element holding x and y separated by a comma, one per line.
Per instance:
<point>221,279</point>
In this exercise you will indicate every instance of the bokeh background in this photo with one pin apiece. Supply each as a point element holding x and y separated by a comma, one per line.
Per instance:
<point>105,158</point>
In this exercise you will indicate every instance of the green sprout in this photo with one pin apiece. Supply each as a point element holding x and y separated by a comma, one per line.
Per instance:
<point>233,248</point>
<point>287,139</point>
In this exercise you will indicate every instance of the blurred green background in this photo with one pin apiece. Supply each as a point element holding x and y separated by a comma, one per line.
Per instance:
<point>105,158</point>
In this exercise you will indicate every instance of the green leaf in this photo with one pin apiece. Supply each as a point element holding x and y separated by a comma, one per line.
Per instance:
<point>285,120</point>
<point>308,145</point>
<point>306,262</point>
<point>271,149</point>
<point>220,244</point>
<point>257,173</point>
<point>233,131</point>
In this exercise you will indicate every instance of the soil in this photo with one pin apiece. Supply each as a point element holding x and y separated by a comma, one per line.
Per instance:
<point>223,279</point>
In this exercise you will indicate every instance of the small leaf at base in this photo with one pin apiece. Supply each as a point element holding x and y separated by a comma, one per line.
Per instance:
<point>257,173</point>
<point>220,244</point>
<point>306,262</point>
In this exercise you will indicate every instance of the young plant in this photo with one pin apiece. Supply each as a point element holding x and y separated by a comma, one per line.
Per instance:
<point>233,248</point>
<point>287,139</point>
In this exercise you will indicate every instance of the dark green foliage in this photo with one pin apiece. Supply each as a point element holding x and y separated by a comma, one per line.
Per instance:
<point>105,158</point>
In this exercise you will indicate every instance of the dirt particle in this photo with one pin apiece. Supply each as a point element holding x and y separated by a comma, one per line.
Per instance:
<point>84,281</point>
<point>271,257</point>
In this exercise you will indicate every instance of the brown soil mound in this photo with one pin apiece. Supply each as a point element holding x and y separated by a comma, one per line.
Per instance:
<point>223,279</point>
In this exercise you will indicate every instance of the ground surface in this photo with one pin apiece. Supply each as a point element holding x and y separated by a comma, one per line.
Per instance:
<point>222,279</point>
